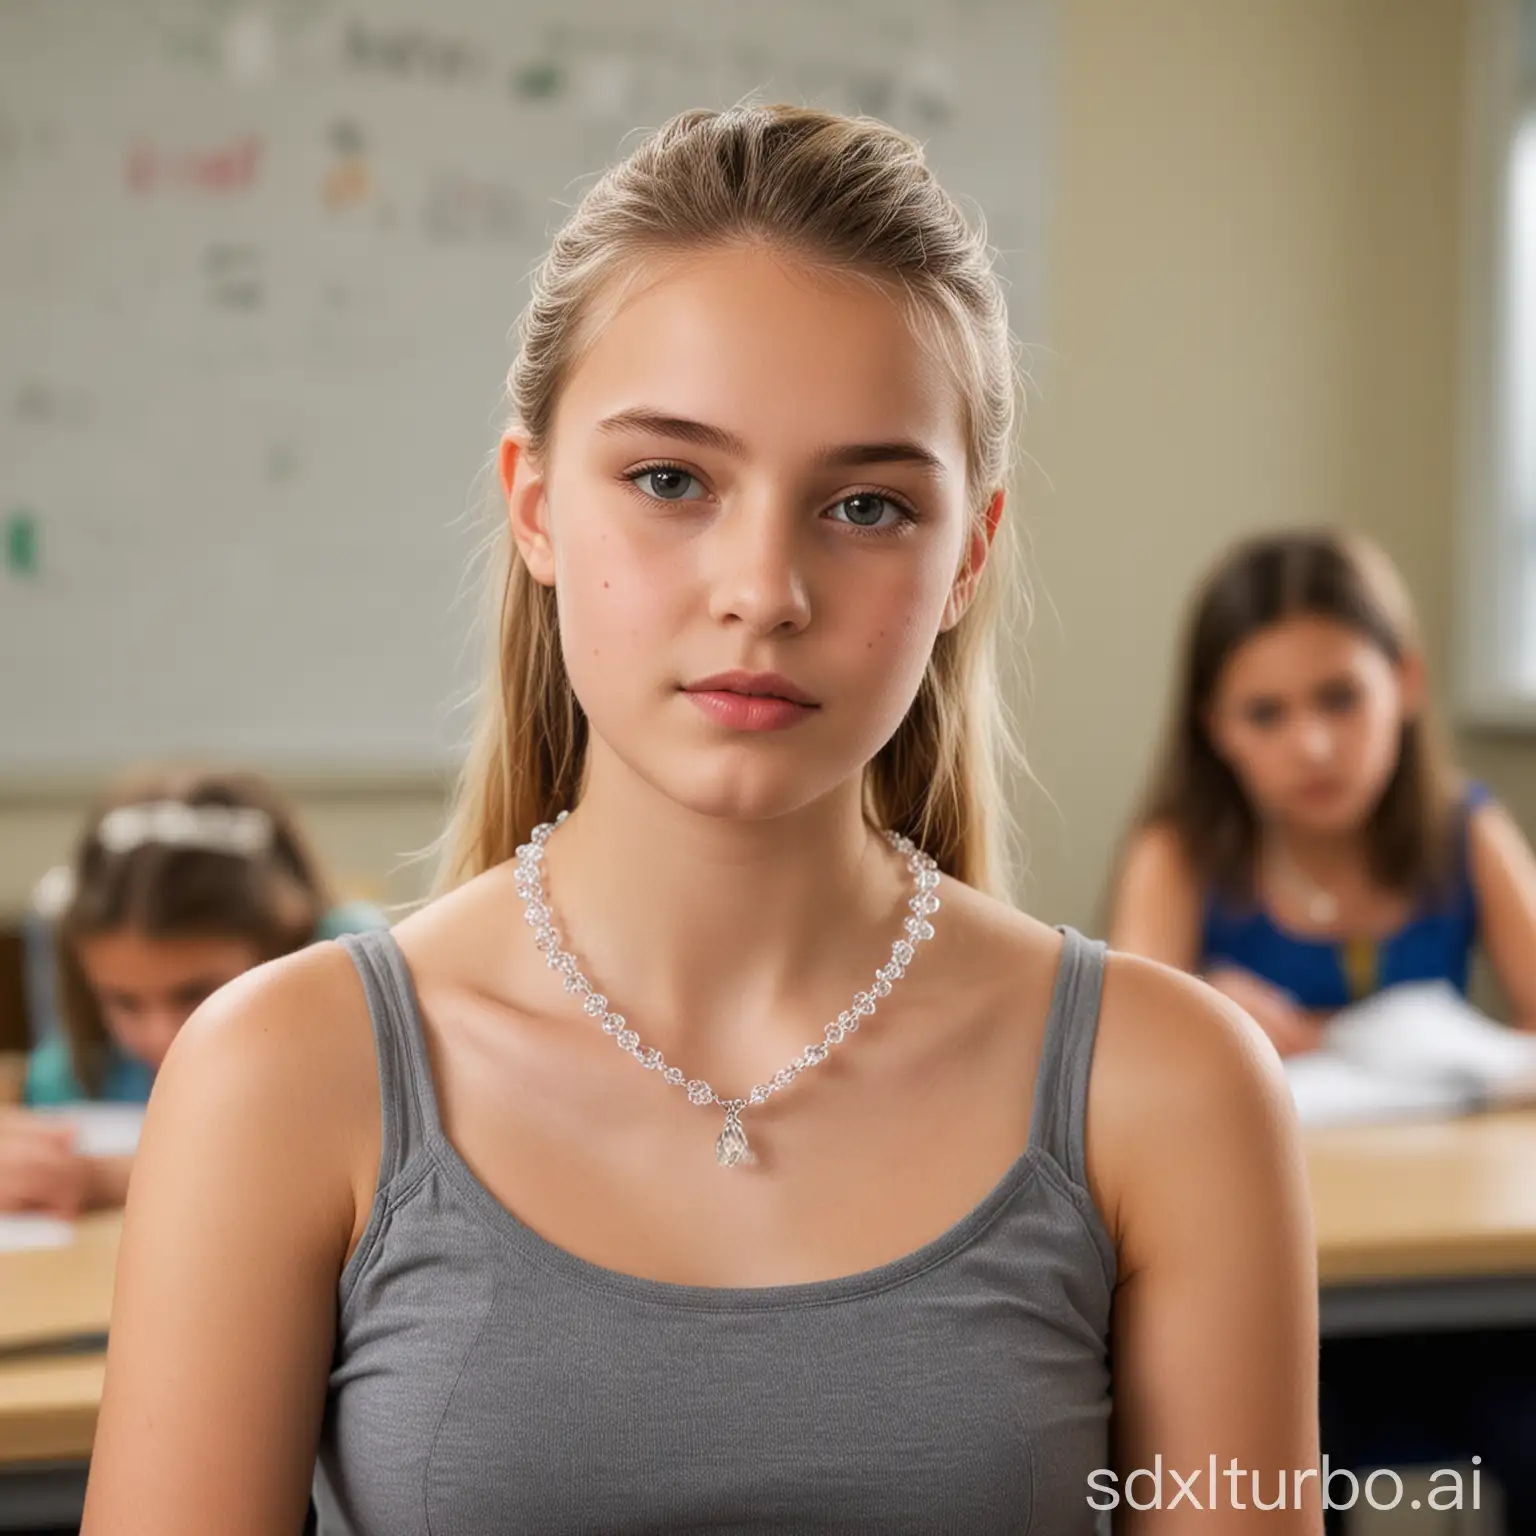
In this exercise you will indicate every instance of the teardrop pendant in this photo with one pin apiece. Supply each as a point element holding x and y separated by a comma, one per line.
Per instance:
<point>731,1148</point>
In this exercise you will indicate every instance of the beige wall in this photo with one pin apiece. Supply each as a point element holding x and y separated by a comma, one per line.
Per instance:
<point>1254,284</point>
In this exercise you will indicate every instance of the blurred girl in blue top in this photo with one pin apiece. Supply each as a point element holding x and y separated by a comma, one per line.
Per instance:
<point>1305,844</point>
<point>182,880</point>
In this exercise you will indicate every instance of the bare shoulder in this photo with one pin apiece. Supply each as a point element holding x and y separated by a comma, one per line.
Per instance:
<point>1157,897</point>
<point>300,1022</point>
<point>988,926</point>
<point>275,1077</point>
<point>458,936</point>
<point>989,950</point>
<point>1496,839</point>
<point>1167,1044</point>
<point>1166,1039</point>
<point>1155,872</point>
<point>1157,850</point>
<point>1186,1090</point>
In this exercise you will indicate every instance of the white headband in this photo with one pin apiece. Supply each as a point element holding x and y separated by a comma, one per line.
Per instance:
<point>244,830</point>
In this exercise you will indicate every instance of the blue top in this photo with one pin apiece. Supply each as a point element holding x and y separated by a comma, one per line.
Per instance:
<point>51,1074</point>
<point>1435,944</point>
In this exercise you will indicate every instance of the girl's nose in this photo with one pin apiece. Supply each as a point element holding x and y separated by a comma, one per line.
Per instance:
<point>1315,739</point>
<point>757,578</point>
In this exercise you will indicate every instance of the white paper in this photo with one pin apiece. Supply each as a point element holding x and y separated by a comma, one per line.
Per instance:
<point>19,1233</point>
<point>1411,1052</point>
<point>1430,1030</point>
<point>102,1130</point>
<point>1329,1090</point>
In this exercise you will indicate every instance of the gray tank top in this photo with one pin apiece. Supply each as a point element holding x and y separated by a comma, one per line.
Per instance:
<point>486,1381</point>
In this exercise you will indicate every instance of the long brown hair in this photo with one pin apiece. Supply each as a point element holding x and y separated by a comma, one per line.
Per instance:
<point>269,892</point>
<point>848,193</point>
<point>1260,583</point>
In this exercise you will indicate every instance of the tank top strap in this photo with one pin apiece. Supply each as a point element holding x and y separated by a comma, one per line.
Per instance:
<point>1057,1125</point>
<point>407,1102</point>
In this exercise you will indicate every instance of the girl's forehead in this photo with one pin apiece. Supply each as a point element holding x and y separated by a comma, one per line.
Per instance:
<point>1293,651</point>
<point>771,349</point>
<point>130,958</point>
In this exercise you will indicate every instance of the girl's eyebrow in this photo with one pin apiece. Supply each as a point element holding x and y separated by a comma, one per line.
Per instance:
<point>661,425</point>
<point>703,435</point>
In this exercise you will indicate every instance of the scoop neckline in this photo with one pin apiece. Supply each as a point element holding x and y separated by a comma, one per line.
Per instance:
<point>504,1223</point>
<point>1262,912</point>
<point>546,1253</point>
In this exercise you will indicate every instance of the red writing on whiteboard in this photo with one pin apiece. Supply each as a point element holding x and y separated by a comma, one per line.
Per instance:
<point>223,168</point>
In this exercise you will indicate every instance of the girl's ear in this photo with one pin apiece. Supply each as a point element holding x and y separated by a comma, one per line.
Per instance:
<point>522,484</point>
<point>977,547</point>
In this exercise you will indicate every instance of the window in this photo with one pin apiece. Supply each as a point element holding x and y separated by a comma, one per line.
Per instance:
<point>1497,518</point>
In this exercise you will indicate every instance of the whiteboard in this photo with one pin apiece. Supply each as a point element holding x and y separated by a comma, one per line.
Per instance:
<point>258,269</point>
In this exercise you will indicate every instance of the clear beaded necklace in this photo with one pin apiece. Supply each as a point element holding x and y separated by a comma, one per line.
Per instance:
<point>732,1149</point>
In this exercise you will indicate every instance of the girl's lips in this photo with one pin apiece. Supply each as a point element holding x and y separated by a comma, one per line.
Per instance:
<point>749,711</point>
<point>1321,789</point>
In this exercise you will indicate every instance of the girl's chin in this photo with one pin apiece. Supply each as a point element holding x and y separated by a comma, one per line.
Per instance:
<point>1327,817</point>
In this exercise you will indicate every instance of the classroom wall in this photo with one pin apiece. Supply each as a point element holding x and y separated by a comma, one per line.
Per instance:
<point>1254,290</point>
<point>1253,284</point>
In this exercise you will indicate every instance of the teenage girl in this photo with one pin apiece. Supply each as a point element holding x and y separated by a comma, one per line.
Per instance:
<point>182,880</point>
<point>710,1159</point>
<point>1306,844</point>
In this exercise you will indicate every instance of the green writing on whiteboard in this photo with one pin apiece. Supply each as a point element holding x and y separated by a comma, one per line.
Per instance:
<point>21,544</point>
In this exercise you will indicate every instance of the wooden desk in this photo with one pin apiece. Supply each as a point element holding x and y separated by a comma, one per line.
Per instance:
<point>63,1296</point>
<point>1426,1226</point>
<point>60,1293</point>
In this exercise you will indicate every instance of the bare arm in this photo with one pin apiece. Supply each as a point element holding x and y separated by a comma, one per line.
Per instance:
<point>1504,877</point>
<point>243,1207</point>
<point>1157,901</point>
<point>1195,1158</point>
<point>1157,914</point>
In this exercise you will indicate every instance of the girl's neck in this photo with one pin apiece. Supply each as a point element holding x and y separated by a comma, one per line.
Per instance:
<point>1331,860</point>
<point>695,923</point>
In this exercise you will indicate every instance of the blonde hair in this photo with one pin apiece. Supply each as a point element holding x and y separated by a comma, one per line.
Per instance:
<point>849,194</point>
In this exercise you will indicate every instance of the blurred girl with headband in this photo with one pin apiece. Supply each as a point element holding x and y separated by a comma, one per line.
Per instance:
<point>180,882</point>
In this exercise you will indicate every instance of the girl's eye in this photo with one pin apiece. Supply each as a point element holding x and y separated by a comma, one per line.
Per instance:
<point>666,482</point>
<point>1339,699</point>
<point>864,509</point>
<point>1263,714</point>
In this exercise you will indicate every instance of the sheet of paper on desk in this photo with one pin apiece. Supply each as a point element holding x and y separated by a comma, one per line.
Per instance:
<point>1411,1052</point>
<point>18,1233</point>
<point>1329,1090</point>
<point>1429,1031</point>
<point>103,1130</point>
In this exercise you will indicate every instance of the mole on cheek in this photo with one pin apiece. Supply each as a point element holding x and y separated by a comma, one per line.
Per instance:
<point>605,586</point>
